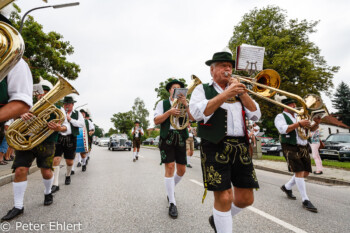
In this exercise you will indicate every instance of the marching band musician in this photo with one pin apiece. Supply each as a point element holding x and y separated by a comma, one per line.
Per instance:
<point>91,132</point>
<point>91,129</point>
<point>172,144</point>
<point>220,108</point>
<point>296,151</point>
<point>43,153</point>
<point>136,132</point>
<point>67,141</point>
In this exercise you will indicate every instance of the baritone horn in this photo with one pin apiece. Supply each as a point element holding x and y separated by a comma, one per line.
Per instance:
<point>11,45</point>
<point>25,135</point>
<point>181,121</point>
<point>266,84</point>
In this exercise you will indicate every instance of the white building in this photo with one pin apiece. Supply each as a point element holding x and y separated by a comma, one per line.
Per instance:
<point>330,125</point>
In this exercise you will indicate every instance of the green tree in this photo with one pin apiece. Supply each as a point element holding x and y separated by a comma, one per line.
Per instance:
<point>288,50</point>
<point>163,94</point>
<point>140,113</point>
<point>110,132</point>
<point>46,53</point>
<point>341,102</point>
<point>123,121</point>
<point>98,131</point>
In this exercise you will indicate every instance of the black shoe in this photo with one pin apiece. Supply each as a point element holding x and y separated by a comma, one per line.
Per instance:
<point>309,206</point>
<point>12,214</point>
<point>137,157</point>
<point>48,199</point>
<point>212,223</point>
<point>288,192</point>
<point>173,210</point>
<point>72,173</point>
<point>83,168</point>
<point>55,188</point>
<point>67,182</point>
<point>134,160</point>
<point>318,173</point>
<point>79,164</point>
<point>189,165</point>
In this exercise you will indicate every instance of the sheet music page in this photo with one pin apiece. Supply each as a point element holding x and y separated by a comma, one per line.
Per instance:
<point>250,54</point>
<point>178,91</point>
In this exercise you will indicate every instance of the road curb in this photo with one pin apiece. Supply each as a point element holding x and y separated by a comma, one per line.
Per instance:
<point>10,177</point>
<point>315,178</point>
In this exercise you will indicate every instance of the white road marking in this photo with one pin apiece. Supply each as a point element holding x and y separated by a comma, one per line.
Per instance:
<point>265,215</point>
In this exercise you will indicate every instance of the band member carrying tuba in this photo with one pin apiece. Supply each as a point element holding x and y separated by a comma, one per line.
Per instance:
<point>43,153</point>
<point>220,108</point>
<point>296,151</point>
<point>172,144</point>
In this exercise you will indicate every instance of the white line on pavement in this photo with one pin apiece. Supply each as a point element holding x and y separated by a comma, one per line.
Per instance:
<point>266,215</point>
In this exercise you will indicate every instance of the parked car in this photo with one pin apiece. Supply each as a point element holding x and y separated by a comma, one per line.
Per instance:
<point>97,140</point>
<point>103,142</point>
<point>272,148</point>
<point>156,141</point>
<point>119,142</point>
<point>197,142</point>
<point>148,141</point>
<point>337,146</point>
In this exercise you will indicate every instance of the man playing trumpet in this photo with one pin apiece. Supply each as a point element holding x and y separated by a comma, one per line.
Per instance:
<point>220,107</point>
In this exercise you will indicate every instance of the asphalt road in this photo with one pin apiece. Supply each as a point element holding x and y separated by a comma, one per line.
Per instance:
<point>117,195</point>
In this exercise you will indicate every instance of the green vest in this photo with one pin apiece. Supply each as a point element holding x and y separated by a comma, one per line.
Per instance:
<point>54,136</point>
<point>165,126</point>
<point>75,130</point>
<point>4,97</point>
<point>291,137</point>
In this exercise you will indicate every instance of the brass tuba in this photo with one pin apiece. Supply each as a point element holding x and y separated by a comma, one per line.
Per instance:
<point>181,121</point>
<point>11,45</point>
<point>266,84</point>
<point>25,135</point>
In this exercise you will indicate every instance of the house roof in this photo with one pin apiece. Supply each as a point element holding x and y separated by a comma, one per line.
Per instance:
<point>333,121</point>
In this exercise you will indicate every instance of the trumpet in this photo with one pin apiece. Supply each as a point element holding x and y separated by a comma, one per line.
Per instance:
<point>266,84</point>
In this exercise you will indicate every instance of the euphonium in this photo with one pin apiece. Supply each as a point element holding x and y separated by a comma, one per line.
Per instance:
<point>11,45</point>
<point>25,135</point>
<point>181,121</point>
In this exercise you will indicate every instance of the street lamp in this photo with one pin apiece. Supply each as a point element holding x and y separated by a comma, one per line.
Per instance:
<point>42,7</point>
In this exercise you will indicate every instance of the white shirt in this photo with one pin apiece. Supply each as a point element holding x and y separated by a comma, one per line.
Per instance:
<point>20,83</point>
<point>137,132</point>
<point>257,128</point>
<point>198,104</point>
<point>91,125</point>
<point>282,126</point>
<point>160,110</point>
<point>77,123</point>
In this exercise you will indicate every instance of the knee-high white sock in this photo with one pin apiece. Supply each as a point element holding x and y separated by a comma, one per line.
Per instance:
<point>137,153</point>
<point>170,189</point>
<point>188,159</point>
<point>48,185</point>
<point>301,187</point>
<point>83,161</point>
<point>19,189</point>
<point>56,174</point>
<point>69,169</point>
<point>134,155</point>
<point>223,221</point>
<point>79,158</point>
<point>177,178</point>
<point>290,183</point>
<point>235,210</point>
<point>73,166</point>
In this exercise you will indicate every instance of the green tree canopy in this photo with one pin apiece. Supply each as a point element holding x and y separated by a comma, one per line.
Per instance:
<point>98,131</point>
<point>45,53</point>
<point>162,93</point>
<point>341,102</point>
<point>123,121</point>
<point>140,113</point>
<point>288,50</point>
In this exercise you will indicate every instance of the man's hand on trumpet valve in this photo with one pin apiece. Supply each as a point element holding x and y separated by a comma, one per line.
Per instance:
<point>27,116</point>
<point>235,88</point>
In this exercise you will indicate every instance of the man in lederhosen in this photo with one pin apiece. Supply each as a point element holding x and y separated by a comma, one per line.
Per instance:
<point>67,141</point>
<point>296,152</point>
<point>172,144</point>
<point>220,107</point>
<point>137,133</point>
<point>16,98</point>
<point>43,153</point>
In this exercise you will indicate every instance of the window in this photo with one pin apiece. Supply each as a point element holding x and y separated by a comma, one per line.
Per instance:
<point>329,130</point>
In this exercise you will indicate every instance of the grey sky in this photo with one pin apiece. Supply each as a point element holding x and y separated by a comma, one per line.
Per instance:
<point>125,48</point>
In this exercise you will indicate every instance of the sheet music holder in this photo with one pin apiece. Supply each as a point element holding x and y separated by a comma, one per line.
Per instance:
<point>249,58</point>
<point>178,91</point>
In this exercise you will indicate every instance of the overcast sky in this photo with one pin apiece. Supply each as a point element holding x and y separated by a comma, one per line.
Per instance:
<point>126,47</point>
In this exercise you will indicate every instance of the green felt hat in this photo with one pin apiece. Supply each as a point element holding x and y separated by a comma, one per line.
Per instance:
<point>68,100</point>
<point>172,82</point>
<point>289,101</point>
<point>221,57</point>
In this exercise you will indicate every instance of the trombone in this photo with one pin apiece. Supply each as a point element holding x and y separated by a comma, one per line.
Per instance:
<point>266,84</point>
